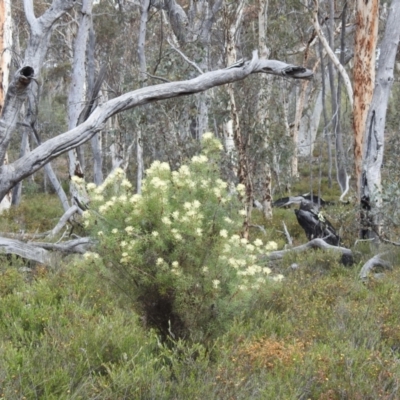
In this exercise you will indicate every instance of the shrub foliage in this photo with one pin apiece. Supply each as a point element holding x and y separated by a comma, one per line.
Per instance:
<point>174,250</point>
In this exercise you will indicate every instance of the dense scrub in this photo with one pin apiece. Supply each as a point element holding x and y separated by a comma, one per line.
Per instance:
<point>87,330</point>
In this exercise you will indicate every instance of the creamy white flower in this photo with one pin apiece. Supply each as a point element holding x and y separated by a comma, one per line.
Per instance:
<point>126,184</point>
<point>227,248</point>
<point>115,230</point>
<point>250,247</point>
<point>251,270</point>
<point>99,189</point>
<point>216,283</point>
<point>199,231</point>
<point>267,270</point>
<point>221,184</point>
<point>100,233</point>
<point>208,136</point>
<point>184,170</point>
<point>129,229</point>
<point>77,179</point>
<point>166,221</point>
<point>258,242</point>
<point>243,212</point>
<point>278,278</point>
<point>217,192</point>
<point>235,239</point>
<point>98,198</point>
<point>205,269</point>
<point>270,246</point>
<point>135,198</point>
<point>155,233</point>
<point>223,233</point>
<point>119,172</point>
<point>178,237</point>
<point>164,166</point>
<point>91,186</point>
<point>201,159</point>
<point>159,261</point>
<point>175,264</point>
<point>241,189</point>
<point>196,204</point>
<point>123,243</point>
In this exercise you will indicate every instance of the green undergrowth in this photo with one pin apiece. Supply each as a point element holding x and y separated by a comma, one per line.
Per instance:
<point>36,213</point>
<point>308,328</point>
<point>319,334</point>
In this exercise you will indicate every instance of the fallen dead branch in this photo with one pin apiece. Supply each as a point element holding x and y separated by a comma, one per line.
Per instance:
<point>44,253</point>
<point>375,261</point>
<point>312,244</point>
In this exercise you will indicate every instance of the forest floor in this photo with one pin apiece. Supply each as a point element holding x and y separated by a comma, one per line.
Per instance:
<point>321,333</point>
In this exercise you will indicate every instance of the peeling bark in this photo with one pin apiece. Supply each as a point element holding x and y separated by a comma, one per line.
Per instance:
<point>367,18</point>
<point>374,134</point>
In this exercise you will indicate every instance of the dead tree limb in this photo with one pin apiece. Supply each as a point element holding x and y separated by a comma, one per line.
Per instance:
<point>375,261</point>
<point>312,244</point>
<point>44,253</point>
<point>52,148</point>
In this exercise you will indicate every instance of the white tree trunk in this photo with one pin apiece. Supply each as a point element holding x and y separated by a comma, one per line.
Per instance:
<point>76,96</point>
<point>5,60</point>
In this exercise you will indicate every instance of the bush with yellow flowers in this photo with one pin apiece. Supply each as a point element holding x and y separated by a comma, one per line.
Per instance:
<point>175,249</point>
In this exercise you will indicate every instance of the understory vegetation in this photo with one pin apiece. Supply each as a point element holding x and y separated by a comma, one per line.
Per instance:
<point>173,304</point>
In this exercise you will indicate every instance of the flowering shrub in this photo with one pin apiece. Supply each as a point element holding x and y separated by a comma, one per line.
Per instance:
<point>175,249</point>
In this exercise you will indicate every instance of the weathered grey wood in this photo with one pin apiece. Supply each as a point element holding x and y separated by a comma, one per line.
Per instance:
<point>375,261</point>
<point>27,165</point>
<point>312,244</point>
<point>64,219</point>
<point>25,250</point>
<point>16,94</point>
<point>76,95</point>
<point>43,253</point>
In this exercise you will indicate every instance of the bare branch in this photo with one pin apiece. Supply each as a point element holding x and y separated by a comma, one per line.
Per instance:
<point>192,63</point>
<point>312,244</point>
<point>63,220</point>
<point>30,15</point>
<point>331,54</point>
<point>27,165</point>
<point>375,261</point>
<point>39,252</point>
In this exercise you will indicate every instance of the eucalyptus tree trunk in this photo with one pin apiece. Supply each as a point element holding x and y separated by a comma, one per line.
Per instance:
<point>233,18</point>
<point>144,8</point>
<point>76,95</point>
<point>40,30</point>
<point>367,18</point>
<point>94,89</point>
<point>263,113</point>
<point>374,132</point>
<point>6,40</point>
